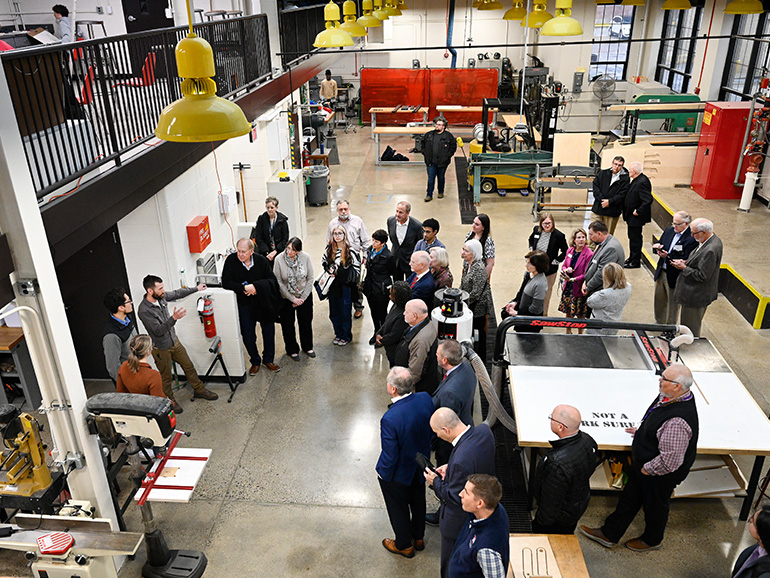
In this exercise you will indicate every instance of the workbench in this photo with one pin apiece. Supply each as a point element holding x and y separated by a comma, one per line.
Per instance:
<point>12,341</point>
<point>511,120</point>
<point>405,110</point>
<point>566,551</point>
<point>632,112</point>
<point>396,130</point>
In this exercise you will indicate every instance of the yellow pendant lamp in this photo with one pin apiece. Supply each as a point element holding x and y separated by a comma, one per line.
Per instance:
<point>562,24</point>
<point>632,3</point>
<point>676,5</point>
<point>476,3</point>
<point>744,7</point>
<point>537,17</point>
<point>490,5</point>
<point>333,36</point>
<point>391,9</point>
<point>402,5</point>
<point>350,25</point>
<point>368,20</point>
<point>518,12</point>
<point>200,115</point>
<point>379,12</point>
<point>600,2</point>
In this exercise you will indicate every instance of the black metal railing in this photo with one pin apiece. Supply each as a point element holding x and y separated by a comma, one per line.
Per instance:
<point>81,105</point>
<point>299,27</point>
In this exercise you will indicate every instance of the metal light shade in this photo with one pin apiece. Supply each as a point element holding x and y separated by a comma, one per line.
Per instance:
<point>537,17</point>
<point>379,12</point>
<point>562,24</point>
<point>391,9</point>
<point>350,25</point>
<point>676,5</point>
<point>518,12</point>
<point>490,5</point>
<point>600,2</point>
<point>402,5</point>
<point>632,3</point>
<point>367,18</point>
<point>200,115</point>
<point>476,4</point>
<point>333,36</point>
<point>744,7</point>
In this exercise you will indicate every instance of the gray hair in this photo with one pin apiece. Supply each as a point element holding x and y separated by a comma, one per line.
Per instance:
<point>401,380</point>
<point>452,350</point>
<point>246,240</point>
<point>702,225</point>
<point>442,256</point>
<point>684,215</point>
<point>418,306</point>
<point>636,166</point>
<point>474,246</point>
<point>422,256</point>
<point>407,206</point>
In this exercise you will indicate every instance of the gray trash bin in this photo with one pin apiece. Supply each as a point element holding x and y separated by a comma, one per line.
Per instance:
<point>317,181</point>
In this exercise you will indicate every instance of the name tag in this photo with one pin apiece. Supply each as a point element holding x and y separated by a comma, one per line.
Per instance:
<point>677,247</point>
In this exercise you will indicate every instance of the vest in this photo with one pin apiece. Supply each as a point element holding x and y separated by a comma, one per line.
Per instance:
<point>122,331</point>
<point>489,533</point>
<point>645,444</point>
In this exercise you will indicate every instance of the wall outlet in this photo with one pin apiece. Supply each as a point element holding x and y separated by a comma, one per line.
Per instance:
<point>100,10</point>
<point>109,9</point>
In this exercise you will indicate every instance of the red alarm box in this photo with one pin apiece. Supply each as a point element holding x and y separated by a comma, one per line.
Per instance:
<point>198,234</point>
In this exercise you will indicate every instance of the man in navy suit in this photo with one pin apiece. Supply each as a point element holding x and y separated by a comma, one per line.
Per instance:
<point>421,281</point>
<point>455,391</point>
<point>404,233</point>
<point>404,431</point>
<point>473,453</point>
<point>637,213</point>
<point>676,242</point>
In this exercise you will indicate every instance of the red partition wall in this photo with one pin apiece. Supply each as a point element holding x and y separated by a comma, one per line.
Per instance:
<point>389,87</point>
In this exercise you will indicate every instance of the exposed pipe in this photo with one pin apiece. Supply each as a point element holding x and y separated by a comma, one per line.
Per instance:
<point>706,48</point>
<point>449,29</point>
<point>641,48</point>
<point>737,182</point>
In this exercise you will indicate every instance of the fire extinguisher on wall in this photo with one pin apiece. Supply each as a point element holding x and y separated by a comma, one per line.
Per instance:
<point>305,157</point>
<point>207,317</point>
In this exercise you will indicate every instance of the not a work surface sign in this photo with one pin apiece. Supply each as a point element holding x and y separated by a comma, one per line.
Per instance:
<point>611,400</point>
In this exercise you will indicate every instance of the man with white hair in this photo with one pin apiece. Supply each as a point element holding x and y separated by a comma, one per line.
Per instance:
<point>421,281</point>
<point>663,451</point>
<point>698,282</point>
<point>417,349</point>
<point>676,242</point>
<point>636,212</point>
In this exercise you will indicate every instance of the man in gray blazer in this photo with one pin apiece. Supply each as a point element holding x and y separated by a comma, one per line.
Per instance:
<point>608,250</point>
<point>698,283</point>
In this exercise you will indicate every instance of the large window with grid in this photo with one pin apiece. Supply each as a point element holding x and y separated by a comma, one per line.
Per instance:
<point>676,53</point>
<point>609,55</point>
<point>747,59</point>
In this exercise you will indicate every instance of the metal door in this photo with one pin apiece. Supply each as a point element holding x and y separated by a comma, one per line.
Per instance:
<point>141,15</point>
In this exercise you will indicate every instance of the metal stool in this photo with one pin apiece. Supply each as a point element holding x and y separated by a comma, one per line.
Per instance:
<point>215,14</point>
<point>199,13</point>
<point>90,24</point>
<point>234,14</point>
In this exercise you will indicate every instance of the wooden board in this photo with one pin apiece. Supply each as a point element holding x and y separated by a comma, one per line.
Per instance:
<point>10,337</point>
<point>532,555</point>
<point>181,472</point>
<point>571,149</point>
<point>402,129</point>
<point>678,106</point>
<point>666,166</point>
<point>386,110</point>
<point>566,550</point>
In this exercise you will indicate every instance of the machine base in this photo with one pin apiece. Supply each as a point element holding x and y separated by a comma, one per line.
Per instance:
<point>181,564</point>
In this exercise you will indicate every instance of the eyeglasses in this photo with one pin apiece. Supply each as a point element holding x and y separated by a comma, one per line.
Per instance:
<point>677,224</point>
<point>128,302</point>
<point>668,380</point>
<point>339,234</point>
<point>557,421</point>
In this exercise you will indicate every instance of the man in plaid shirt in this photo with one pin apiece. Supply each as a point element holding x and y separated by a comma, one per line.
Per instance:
<point>663,452</point>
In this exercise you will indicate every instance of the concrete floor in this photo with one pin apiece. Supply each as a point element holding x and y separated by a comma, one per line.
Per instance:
<point>291,489</point>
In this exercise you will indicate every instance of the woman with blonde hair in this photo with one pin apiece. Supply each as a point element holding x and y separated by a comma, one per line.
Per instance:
<point>439,268</point>
<point>344,265</point>
<point>573,273</point>
<point>608,303</point>
<point>136,375</point>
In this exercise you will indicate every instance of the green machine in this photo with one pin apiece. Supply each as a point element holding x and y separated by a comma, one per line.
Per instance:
<point>678,122</point>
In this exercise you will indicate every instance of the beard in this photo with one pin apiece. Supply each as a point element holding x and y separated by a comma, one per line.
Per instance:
<point>344,217</point>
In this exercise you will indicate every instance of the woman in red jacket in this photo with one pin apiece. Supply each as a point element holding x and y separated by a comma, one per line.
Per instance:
<point>136,375</point>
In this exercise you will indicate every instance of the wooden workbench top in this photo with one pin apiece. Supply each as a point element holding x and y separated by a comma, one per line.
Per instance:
<point>10,337</point>
<point>566,549</point>
<point>384,110</point>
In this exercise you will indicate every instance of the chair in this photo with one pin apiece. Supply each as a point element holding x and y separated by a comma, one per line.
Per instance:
<point>87,92</point>
<point>148,74</point>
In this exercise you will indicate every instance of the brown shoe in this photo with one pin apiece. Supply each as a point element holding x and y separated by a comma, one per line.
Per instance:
<point>597,536</point>
<point>419,545</point>
<point>254,370</point>
<point>390,546</point>
<point>639,545</point>
<point>272,366</point>
<point>206,394</point>
<point>358,314</point>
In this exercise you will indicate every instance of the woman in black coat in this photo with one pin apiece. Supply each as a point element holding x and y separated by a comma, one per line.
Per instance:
<point>380,267</point>
<point>754,562</point>
<point>391,332</point>
<point>271,232</point>
<point>547,238</point>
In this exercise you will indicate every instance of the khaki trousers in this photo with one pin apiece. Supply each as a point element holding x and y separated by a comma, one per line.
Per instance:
<point>551,279</point>
<point>692,317</point>
<point>164,360</point>
<point>666,310</point>
<point>611,222</point>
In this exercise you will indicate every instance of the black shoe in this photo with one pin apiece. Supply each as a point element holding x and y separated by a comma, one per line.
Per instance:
<point>632,266</point>
<point>431,518</point>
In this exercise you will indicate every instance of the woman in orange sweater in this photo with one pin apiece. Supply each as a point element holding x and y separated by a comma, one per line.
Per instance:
<point>136,375</point>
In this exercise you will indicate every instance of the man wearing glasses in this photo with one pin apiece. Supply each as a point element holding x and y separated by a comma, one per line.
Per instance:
<point>119,330</point>
<point>698,282</point>
<point>663,451</point>
<point>609,190</point>
<point>676,242</point>
<point>562,487</point>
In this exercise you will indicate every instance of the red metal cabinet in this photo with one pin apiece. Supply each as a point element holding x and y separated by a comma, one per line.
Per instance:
<point>721,137</point>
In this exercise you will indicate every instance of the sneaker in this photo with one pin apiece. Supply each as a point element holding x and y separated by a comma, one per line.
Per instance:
<point>639,545</point>
<point>342,342</point>
<point>441,195</point>
<point>336,341</point>
<point>597,536</point>
<point>358,314</point>
<point>431,518</point>
<point>428,198</point>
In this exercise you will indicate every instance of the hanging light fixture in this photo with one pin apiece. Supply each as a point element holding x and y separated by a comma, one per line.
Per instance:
<point>562,24</point>
<point>518,12</point>
<point>632,3</point>
<point>600,2</point>
<point>745,7</point>
<point>390,8</point>
<point>367,19</point>
<point>537,17</point>
<point>333,36</point>
<point>350,25</point>
<point>490,5</point>
<point>476,3</point>
<point>676,5</point>
<point>379,12</point>
<point>402,5</point>
<point>200,115</point>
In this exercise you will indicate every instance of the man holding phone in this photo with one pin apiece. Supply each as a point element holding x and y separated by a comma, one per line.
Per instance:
<point>676,242</point>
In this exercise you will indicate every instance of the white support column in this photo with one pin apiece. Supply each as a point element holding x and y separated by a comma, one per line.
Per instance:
<point>50,341</point>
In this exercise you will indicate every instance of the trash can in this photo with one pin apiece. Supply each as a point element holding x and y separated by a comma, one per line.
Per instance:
<point>317,182</point>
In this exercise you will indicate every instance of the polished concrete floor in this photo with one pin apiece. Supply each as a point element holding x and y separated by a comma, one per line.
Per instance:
<point>291,489</point>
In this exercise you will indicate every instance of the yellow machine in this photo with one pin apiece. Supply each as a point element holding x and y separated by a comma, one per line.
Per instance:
<point>493,180</point>
<point>23,470</point>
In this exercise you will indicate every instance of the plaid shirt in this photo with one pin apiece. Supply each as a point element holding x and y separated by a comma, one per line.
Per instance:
<point>673,438</point>
<point>491,563</point>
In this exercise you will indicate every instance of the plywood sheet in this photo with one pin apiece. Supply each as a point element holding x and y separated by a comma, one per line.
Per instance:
<point>532,556</point>
<point>572,148</point>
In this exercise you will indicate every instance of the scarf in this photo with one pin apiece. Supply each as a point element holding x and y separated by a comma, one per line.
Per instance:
<point>297,274</point>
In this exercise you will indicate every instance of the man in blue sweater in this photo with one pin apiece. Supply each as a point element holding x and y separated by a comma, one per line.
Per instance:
<point>482,549</point>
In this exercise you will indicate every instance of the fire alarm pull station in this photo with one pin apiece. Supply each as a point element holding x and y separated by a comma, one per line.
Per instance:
<point>198,234</point>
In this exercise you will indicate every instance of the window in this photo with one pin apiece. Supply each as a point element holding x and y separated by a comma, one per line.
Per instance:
<point>746,59</point>
<point>612,23</point>
<point>676,55</point>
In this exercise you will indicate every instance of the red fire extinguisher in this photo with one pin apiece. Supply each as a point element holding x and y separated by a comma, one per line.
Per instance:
<point>209,325</point>
<point>305,157</point>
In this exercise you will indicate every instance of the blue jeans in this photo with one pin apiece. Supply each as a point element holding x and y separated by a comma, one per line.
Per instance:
<point>249,335</point>
<point>433,172</point>
<point>341,314</point>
